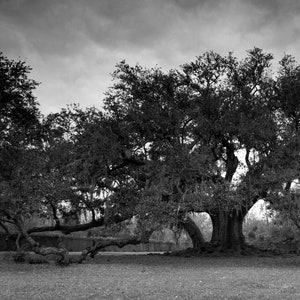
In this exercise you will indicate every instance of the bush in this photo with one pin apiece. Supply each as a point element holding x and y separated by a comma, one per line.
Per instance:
<point>280,237</point>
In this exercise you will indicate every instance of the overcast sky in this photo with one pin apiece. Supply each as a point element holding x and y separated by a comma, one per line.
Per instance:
<point>74,45</point>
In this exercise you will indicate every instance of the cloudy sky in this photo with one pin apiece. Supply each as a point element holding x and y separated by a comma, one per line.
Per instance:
<point>74,45</point>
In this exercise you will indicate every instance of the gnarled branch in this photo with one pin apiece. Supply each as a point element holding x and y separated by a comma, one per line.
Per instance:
<point>105,242</point>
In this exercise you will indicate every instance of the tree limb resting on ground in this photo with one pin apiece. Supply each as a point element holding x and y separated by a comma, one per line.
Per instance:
<point>100,244</point>
<point>39,249</point>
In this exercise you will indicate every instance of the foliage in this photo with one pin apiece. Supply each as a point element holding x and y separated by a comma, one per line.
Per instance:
<point>20,139</point>
<point>189,125</point>
<point>280,236</point>
<point>167,144</point>
<point>283,168</point>
<point>198,127</point>
<point>19,112</point>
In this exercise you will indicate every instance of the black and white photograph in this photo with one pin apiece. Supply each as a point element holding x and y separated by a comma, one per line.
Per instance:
<point>149,149</point>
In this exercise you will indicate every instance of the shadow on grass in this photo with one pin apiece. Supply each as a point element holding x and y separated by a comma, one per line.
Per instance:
<point>207,262</point>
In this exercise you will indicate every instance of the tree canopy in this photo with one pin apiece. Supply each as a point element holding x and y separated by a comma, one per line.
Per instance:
<point>214,136</point>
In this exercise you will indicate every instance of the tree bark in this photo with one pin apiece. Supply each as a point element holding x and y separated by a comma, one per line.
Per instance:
<point>193,231</point>
<point>39,249</point>
<point>135,240</point>
<point>228,229</point>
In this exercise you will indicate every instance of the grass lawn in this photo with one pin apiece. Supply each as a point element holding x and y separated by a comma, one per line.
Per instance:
<point>155,277</point>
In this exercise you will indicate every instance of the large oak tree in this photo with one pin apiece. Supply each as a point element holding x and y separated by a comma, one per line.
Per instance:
<point>215,136</point>
<point>196,128</point>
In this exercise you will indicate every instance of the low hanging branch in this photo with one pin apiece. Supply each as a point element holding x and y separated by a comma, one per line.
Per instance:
<point>105,242</point>
<point>63,252</point>
<point>67,229</point>
<point>39,249</point>
<point>55,217</point>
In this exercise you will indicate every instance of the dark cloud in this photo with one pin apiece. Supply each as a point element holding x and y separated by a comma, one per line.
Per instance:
<point>74,45</point>
<point>189,4</point>
<point>274,23</point>
<point>47,26</point>
<point>60,26</point>
<point>276,7</point>
<point>195,4</point>
<point>135,23</point>
<point>274,12</point>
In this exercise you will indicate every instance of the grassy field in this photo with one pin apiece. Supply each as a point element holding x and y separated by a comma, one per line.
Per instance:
<point>155,277</point>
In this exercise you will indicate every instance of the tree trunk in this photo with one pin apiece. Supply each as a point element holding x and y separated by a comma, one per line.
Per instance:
<point>193,231</point>
<point>228,229</point>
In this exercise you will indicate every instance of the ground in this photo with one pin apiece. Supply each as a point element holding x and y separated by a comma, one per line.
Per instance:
<point>155,277</point>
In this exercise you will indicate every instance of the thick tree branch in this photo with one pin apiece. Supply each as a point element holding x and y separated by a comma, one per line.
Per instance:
<point>193,231</point>
<point>37,248</point>
<point>247,159</point>
<point>93,215</point>
<point>54,214</point>
<point>232,163</point>
<point>102,243</point>
<point>287,186</point>
<point>67,229</point>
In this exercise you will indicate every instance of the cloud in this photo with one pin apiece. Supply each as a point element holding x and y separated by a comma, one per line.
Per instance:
<point>64,26</point>
<point>191,5</point>
<point>272,14</point>
<point>74,45</point>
